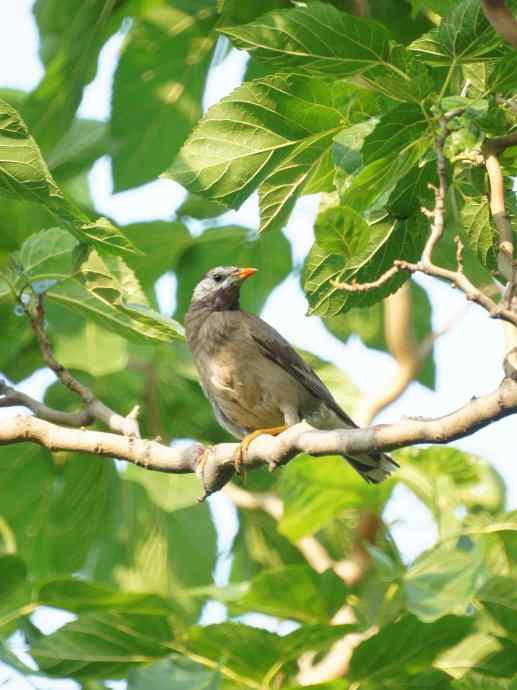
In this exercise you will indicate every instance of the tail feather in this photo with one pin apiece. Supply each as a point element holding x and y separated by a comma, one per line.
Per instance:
<point>373,468</point>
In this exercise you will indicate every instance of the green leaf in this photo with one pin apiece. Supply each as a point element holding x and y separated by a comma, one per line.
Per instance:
<point>403,77</point>
<point>81,349</point>
<point>71,39</point>
<point>463,36</point>
<point>237,12</point>
<point>173,674</point>
<point>274,132</point>
<point>318,39</point>
<point>78,149</point>
<point>408,643</point>
<point>109,293</point>
<point>412,191</point>
<point>161,244</point>
<point>314,490</point>
<point>296,592</point>
<point>81,596</point>
<point>63,509</point>
<point>364,257</point>
<point>477,681</point>
<point>23,172</point>
<point>24,176</point>
<point>233,647</point>
<point>259,546</point>
<point>395,132</point>
<point>48,255</point>
<point>196,206</point>
<point>163,65</point>
<point>103,646</point>
<point>499,598</point>
<point>144,548</point>
<point>480,653</point>
<point>443,581</point>
<point>370,188</point>
<point>475,216</point>
<point>15,592</point>
<point>475,483</point>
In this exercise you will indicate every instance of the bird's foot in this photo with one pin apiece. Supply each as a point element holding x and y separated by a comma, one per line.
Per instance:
<point>246,441</point>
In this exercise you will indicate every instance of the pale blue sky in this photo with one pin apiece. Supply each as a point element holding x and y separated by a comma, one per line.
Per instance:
<point>468,357</point>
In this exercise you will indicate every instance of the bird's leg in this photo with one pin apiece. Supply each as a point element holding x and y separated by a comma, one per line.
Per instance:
<point>244,444</point>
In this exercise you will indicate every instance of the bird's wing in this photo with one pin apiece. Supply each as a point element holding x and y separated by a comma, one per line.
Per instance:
<point>273,346</point>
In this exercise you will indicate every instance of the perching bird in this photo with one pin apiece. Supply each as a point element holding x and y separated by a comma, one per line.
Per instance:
<point>255,381</point>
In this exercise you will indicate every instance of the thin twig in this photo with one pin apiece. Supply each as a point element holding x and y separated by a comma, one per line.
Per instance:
<point>9,397</point>
<point>95,409</point>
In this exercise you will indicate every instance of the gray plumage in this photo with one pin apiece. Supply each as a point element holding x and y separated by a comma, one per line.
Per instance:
<point>251,375</point>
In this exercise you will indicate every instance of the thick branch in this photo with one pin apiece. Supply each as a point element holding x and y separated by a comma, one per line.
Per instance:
<point>218,461</point>
<point>501,19</point>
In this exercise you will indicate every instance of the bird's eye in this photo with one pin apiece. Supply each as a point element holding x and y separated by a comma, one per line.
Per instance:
<point>218,277</point>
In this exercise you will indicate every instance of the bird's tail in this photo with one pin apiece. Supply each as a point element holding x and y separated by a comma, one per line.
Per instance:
<point>373,468</point>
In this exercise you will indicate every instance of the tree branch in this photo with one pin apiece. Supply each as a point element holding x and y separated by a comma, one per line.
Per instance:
<point>425,265</point>
<point>503,21</point>
<point>94,408</point>
<point>9,397</point>
<point>217,466</point>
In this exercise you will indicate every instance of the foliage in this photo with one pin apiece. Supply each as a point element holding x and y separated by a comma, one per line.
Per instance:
<point>332,104</point>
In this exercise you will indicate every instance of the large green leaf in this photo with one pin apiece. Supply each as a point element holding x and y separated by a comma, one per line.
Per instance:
<point>103,646</point>
<point>158,87</point>
<point>318,39</point>
<point>395,132</point>
<point>63,509</point>
<point>24,176</point>
<point>407,644</point>
<point>145,548</point>
<point>91,348</point>
<point>108,292</point>
<point>233,648</point>
<point>78,149</point>
<point>367,251</point>
<point>463,36</point>
<point>72,36</point>
<point>296,592</point>
<point>314,490</point>
<point>443,581</point>
<point>81,596</point>
<point>161,244</point>
<point>274,132</point>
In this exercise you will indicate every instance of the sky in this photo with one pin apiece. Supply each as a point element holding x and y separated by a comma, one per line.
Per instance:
<point>468,357</point>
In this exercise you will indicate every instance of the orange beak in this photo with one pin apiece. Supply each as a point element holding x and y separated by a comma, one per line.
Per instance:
<point>245,273</point>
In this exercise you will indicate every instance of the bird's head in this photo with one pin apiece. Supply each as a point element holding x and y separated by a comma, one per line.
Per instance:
<point>220,287</point>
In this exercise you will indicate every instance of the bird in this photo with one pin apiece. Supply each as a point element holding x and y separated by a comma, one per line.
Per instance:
<point>254,379</point>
